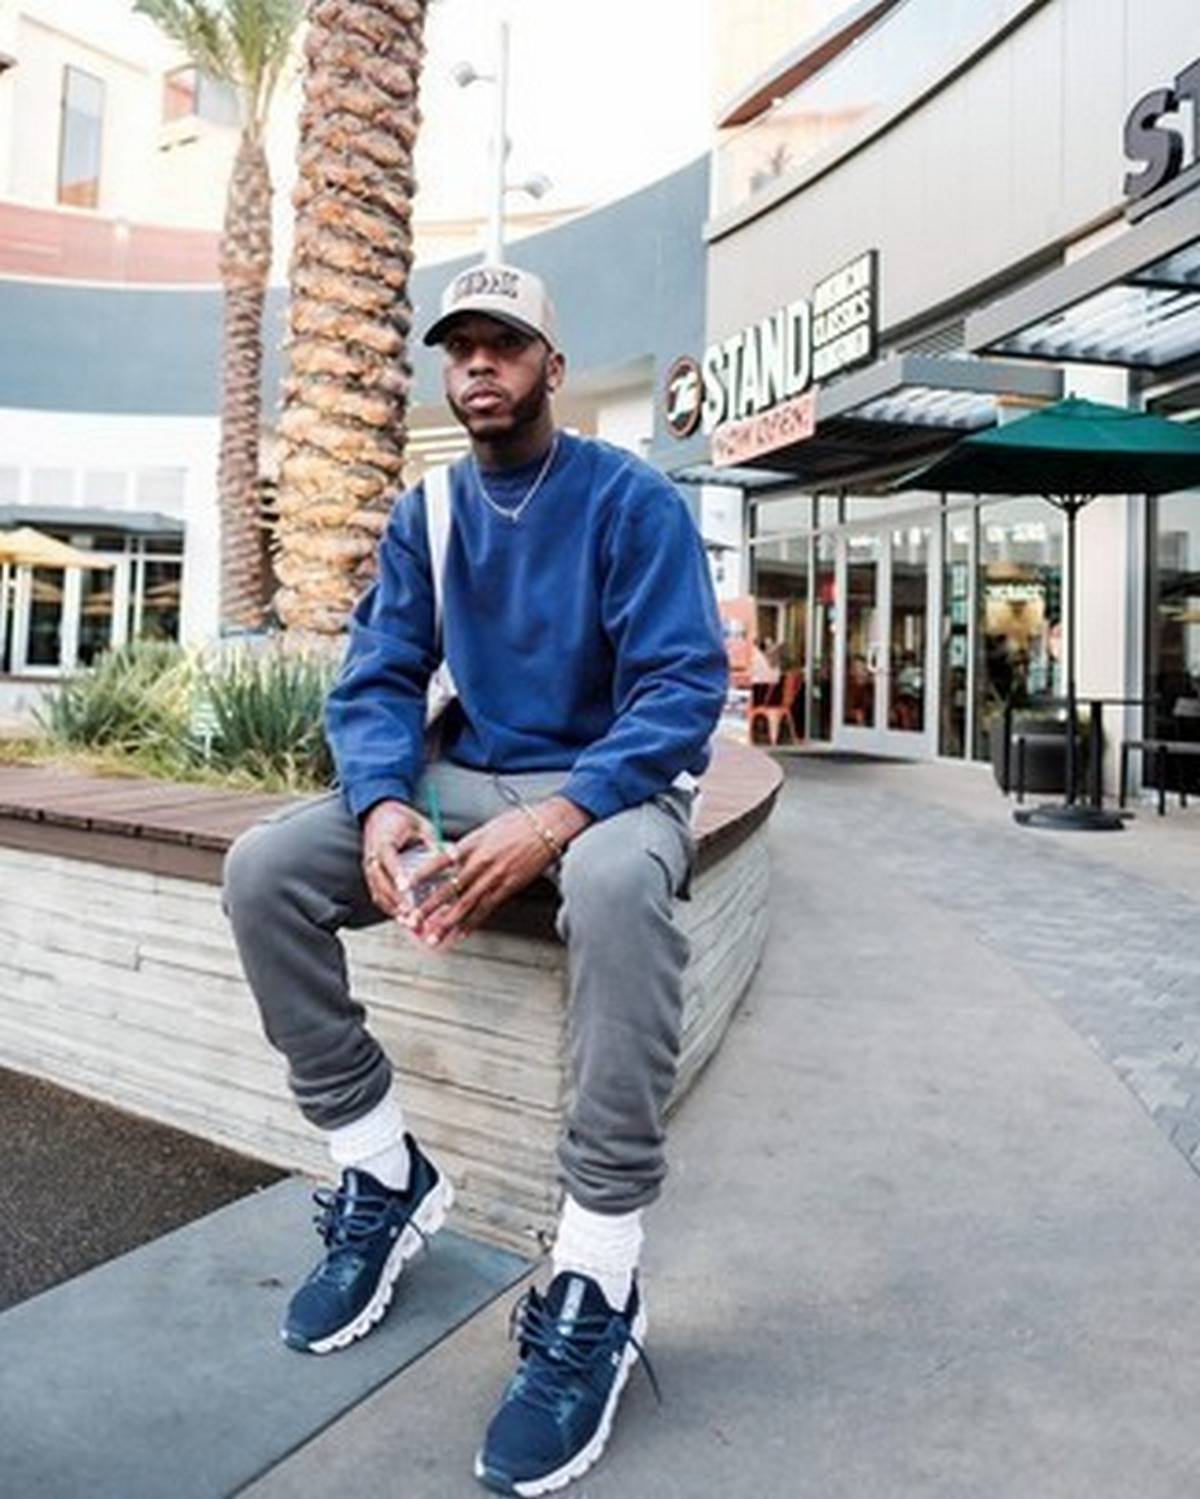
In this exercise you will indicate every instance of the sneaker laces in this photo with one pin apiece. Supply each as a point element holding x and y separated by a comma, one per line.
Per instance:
<point>347,1218</point>
<point>556,1346</point>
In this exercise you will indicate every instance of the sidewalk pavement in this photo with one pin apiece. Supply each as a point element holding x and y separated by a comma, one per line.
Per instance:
<point>932,1221</point>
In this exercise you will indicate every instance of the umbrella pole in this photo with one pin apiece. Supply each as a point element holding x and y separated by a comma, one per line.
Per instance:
<point>1071,512</point>
<point>1070,814</point>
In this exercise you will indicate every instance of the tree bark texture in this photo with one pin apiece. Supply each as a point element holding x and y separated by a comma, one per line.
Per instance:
<point>245,267</point>
<point>343,426</point>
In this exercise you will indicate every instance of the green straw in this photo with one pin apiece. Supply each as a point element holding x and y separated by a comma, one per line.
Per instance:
<point>435,814</point>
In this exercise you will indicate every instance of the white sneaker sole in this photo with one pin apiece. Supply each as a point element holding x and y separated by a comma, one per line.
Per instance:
<point>586,1456</point>
<point>423,1224</point>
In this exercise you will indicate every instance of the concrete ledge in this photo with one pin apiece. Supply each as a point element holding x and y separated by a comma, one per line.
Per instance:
<point>118,978</point>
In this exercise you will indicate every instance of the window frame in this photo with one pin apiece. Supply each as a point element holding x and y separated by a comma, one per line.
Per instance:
<point>81,132</point>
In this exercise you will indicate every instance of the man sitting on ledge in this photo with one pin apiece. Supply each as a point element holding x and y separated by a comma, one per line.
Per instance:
<point>581,631</point>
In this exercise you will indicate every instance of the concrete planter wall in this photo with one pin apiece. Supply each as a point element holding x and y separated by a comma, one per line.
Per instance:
<point>123,983</point>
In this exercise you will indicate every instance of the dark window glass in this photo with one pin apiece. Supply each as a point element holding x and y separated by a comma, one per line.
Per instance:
<point>1173,641</point>
<point>956,632</point>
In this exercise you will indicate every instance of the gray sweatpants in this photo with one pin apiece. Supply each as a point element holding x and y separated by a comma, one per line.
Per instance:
<point>294,881</point>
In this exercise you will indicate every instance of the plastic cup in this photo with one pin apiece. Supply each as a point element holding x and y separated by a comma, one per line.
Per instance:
<point>412,857</point>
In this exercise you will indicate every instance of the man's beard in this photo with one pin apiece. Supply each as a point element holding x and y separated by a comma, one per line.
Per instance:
<point>513,420</point>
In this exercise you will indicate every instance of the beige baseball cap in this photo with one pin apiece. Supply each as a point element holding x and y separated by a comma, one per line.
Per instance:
<point>503,292</point>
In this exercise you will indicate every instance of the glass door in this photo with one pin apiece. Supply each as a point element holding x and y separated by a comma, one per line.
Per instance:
<point>859,701</point>
<point>823,639</point>
<point>907,701</point>
<point>884,665</point>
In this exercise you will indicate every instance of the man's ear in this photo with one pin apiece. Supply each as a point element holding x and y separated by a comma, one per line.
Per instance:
<point>556,369</point>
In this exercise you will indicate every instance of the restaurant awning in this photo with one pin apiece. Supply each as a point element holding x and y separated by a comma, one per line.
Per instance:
<point>28,547</point>
<point>876,423</point>
<point>1134,301</point>
<point>92,518</point>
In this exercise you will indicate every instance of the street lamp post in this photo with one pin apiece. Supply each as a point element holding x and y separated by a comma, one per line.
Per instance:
<point>495,235</point>
<point>464,74</point>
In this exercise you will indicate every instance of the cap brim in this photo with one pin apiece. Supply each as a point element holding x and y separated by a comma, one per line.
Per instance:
<point>436,334</point>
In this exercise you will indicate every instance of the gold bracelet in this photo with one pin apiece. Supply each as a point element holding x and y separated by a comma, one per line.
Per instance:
<point>543,832</point>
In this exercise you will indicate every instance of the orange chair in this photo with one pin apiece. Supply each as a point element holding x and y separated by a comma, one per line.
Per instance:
<point>776,715</point>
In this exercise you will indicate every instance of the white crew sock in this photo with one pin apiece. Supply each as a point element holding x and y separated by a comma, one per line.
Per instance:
<point>374,1143</point>
<point>604,1246</point>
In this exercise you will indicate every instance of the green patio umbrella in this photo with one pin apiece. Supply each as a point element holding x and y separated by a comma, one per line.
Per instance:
<point>1070,453</point>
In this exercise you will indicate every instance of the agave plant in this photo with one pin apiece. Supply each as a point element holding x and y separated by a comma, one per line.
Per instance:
<point>261,717</point>
<point>133,702</point>
<point>252,718</point>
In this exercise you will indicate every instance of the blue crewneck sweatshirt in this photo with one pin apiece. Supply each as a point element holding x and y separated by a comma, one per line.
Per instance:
<point>583,637</point>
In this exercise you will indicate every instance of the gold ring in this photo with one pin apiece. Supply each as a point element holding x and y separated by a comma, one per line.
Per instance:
<point>456,886</point>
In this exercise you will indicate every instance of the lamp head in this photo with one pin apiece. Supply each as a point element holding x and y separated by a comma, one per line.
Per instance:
<point>466,73</point>
<point>537,185</point>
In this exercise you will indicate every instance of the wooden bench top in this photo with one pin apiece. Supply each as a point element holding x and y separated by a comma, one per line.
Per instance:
<point>169,827</point>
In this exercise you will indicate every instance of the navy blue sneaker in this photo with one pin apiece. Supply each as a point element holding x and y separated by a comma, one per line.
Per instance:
<point>557,1412</point>
<point>370,1233</point>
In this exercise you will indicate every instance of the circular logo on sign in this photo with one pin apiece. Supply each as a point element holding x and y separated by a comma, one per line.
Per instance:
<point>683,396</point>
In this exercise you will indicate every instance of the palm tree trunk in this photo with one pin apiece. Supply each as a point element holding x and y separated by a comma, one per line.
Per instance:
<point>245,267</point>
<point>343,426</point>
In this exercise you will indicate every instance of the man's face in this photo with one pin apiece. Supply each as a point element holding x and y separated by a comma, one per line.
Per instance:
<point>498,380</point>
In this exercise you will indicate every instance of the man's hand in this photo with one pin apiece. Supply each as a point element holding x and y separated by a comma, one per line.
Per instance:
<point>392,830</point>
<point>492,863</point>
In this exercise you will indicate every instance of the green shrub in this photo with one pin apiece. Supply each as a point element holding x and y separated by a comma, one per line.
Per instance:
<point>260,716</point>
<point>131,702</point>
<point>252,718</point>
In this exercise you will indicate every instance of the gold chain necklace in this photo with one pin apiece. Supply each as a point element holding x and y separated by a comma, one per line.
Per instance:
<point>514,513</point>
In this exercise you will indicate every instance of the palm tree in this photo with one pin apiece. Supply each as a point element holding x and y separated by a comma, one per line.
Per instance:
<point>246,45</point>
<point>343,425</point>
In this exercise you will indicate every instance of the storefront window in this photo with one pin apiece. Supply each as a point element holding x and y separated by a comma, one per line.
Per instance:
<point>781,610</point>
<point>824,637</point>
<point>861,509</point>
<point>909,628</point>
<point>54,620</point>
<point>1019,649</point>
<point>781,586</point>
<point>862,631</point>
<point>155,604</point>
<point>783,517</point>
<point>956,632</point>
<point>829,511</point>
<point>96,614</point>
<point>1173,668</point>
<point>45,629</point>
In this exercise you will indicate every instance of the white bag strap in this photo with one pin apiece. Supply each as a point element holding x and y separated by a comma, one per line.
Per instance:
<point>437,521</point>
<point>442,690</point>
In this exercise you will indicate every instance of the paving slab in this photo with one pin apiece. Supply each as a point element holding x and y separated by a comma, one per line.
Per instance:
<point>161,1375</point>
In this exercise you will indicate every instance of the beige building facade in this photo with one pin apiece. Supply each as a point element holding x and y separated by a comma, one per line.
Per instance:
<point>928,218</point>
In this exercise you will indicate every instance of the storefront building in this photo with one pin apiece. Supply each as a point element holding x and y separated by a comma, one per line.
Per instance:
<point>929,217</point>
